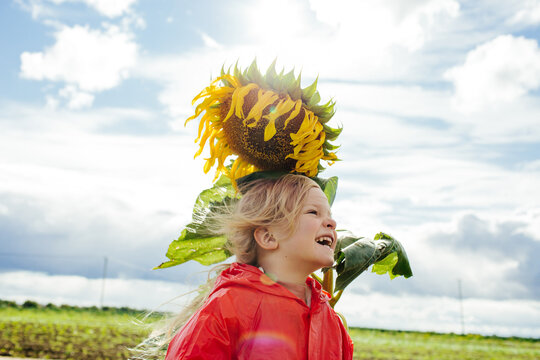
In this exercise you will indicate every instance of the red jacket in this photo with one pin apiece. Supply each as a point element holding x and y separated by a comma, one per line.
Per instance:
<point>249,316</point>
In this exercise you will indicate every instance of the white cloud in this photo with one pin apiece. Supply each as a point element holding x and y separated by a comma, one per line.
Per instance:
<point>375,310</point>
<point>529,14</point>
<point>182,77</point>
<point>276,21</point>
<point>133,20</point>
<point>209,42</point>
<point>46,8</point>
<point>502,69</point>
<point>77,290</point>
<point>74,178</point>
<point>429,116</point>
<point>51,102</point>
<point>425,185</point>
<point>441,314</point>
<point>76,99</point>
<point>474,249</point>
<point>531,217</point>
<point>37,8</point>
<point>109,8</point>
<point>402,115</point>
<point>93,60</point>
<point>532,166</point>
<point>378,24</point>
<point>344,51</point>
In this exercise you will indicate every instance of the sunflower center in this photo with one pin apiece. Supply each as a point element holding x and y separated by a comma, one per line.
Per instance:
<point>248,141</point>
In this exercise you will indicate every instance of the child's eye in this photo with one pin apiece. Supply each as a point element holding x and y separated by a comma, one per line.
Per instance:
<point>312,212</point>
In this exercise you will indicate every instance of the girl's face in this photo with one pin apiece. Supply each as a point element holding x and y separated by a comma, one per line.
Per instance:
<point>312,244</point>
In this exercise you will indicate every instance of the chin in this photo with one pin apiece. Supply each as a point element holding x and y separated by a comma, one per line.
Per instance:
<point>328,263</point>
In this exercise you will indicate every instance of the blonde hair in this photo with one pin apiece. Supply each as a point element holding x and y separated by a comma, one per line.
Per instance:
<point>264,202</point>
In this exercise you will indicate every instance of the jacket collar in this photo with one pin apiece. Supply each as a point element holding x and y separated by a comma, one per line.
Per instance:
<point>250,276</point>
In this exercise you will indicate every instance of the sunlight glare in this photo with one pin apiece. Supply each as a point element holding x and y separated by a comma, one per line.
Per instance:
<point>276,21</point>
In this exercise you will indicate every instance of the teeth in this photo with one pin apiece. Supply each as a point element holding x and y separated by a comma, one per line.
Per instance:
<point>325,240</point>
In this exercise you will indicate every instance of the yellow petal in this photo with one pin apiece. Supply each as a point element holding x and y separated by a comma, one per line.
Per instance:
<point>206,134</point>
<point>296,111</point>
<point>283,107</point>
<point>231,79</point>
<point>205,121</point>
<point>234,168</point>
<point>211,142</point>
<point>269,130</point>
<point>265,98</point>
<point>207,166</point>
<point>233,104</point>
<point>242,93</point>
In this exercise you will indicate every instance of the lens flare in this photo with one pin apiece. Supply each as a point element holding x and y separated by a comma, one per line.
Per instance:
<point>260,340</point>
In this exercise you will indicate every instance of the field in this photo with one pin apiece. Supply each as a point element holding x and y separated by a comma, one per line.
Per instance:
<point>69,332</point>
<point>383,344</point>
<point>89,333</point>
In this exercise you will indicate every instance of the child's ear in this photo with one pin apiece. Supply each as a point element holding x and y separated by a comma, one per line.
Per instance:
<point>264,239</point>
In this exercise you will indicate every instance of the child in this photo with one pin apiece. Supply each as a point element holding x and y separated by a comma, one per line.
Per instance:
<point>265,306</point>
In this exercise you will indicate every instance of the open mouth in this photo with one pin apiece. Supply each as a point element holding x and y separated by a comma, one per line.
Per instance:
<point>325,241</point>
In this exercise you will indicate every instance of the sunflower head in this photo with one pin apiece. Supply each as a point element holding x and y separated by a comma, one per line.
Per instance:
<point>268,121</point>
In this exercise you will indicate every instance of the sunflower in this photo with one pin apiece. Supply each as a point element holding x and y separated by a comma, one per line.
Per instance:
<point>269,122</point>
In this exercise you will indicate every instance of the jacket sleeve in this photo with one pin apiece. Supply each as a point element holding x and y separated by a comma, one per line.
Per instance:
<point>208,334</point>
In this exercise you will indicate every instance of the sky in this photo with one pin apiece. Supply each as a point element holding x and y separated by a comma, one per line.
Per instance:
<point>440,105</point>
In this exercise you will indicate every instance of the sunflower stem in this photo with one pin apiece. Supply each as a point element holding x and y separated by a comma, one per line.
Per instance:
<point>335,298</point>
<point>319,280</point>
<point>343,320</point>
<point>328,282</point>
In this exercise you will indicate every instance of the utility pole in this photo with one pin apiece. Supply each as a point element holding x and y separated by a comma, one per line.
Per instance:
<point>461,308</point>
<point>105,261</point>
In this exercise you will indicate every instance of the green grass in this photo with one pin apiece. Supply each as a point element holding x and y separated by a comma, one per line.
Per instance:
<point>385,344</point>
<point>90,333</point>
<point>69,332</point>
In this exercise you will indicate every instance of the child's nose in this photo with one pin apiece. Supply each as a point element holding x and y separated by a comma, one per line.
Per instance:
<point>331,223</point>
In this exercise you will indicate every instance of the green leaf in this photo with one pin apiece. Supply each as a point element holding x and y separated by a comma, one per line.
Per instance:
<point>355,258</point>
<point>308,92</point>
<point>190,246</point>
<point>199,241</point>
<point>331,133</point>
<point>296,91</point>
<point>402,266</point>
<point>344,241</point>
<point>329,187</point>
<point>253,74</point>
<point>386,265</point>
<point>271,74</point>
<point>314,99</point>
<point>222,188</point>
<point>223,73</point>
<point>288,80</point>
<point>293,87</point>
<point>330,147</point>
<point>238,74</point>
<point>325,111</point>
